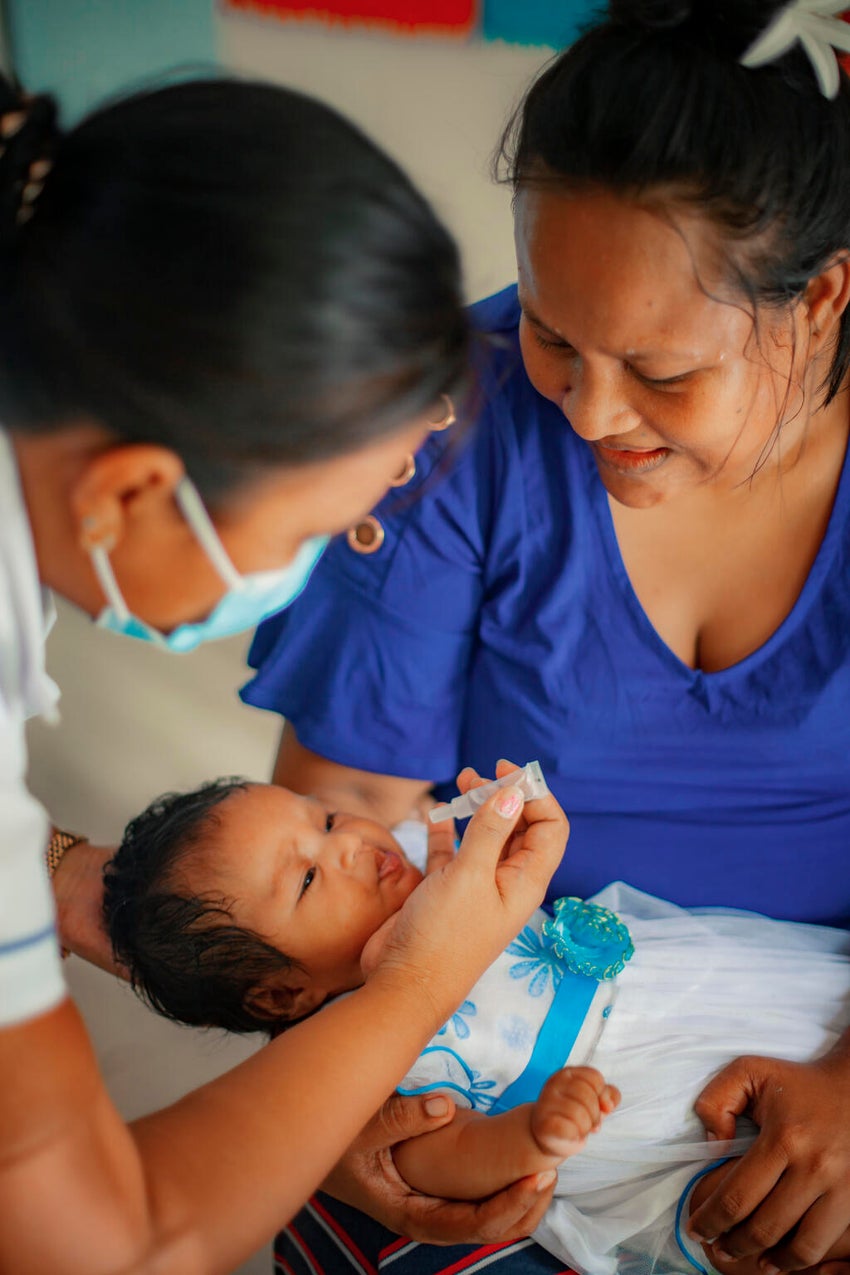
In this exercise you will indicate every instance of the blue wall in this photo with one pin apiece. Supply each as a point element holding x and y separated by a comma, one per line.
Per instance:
<point>83,50</point>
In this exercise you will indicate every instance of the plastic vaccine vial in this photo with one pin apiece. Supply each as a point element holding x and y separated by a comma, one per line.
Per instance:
<point>529,781</point>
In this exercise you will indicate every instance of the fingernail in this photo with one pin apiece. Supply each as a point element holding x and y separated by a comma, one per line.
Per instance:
<point>544,1180</point>
<point>509,802</point>
<point>711,1137</point>
<point>770,1270</point>
<point>436,1106</point>
<point>727,1257</point>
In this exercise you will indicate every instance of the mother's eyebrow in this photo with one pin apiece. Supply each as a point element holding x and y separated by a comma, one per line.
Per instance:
<point>639,356</point>
<point>537,321</point>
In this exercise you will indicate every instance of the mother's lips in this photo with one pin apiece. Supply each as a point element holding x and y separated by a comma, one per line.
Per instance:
<point>630,457</point>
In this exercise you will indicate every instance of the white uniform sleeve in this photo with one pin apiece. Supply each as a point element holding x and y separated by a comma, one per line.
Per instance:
<point>31,979</point>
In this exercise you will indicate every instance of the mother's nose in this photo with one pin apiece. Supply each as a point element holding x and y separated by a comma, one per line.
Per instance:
<point>594,403</point>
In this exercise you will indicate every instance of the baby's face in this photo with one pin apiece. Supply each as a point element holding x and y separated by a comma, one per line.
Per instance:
<point>315,884</point>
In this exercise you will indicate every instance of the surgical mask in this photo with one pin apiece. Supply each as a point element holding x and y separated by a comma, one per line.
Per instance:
<point>249,598</point>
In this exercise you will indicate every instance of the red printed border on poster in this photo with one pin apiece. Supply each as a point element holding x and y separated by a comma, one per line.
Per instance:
<point>448,17</point>
<point>844,58</point>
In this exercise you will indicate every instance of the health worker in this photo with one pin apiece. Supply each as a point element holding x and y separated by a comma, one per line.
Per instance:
<point>226,319</point>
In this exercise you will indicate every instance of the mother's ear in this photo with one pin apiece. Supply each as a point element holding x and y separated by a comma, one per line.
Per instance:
<point>826,298</point>
<point>285,995</point>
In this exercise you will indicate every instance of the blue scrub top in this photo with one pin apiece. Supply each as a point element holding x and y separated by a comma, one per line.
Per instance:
<point>497,620</point>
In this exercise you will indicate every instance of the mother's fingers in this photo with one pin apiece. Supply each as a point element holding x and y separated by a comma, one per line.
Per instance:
<point>784,1210</point>
<point>739,1194</point>
<point>510,1215</point>
<point>816,1235</point>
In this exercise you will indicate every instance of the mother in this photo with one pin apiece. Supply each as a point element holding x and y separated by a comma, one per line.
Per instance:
<point>637,571</point>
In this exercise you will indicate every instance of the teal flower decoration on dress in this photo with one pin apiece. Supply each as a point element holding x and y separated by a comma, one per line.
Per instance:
<point>589,939</point>
<point>539,962</point>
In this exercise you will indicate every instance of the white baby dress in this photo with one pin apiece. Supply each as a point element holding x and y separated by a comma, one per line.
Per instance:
<point>701,988</point>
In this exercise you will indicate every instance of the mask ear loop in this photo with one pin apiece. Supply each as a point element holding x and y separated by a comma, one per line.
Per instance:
<point>195,513</point>
<point>99,554</point>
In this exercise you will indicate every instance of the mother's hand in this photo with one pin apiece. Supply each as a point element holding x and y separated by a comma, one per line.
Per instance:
<point>787,1200</point>
<point>367,1179</point>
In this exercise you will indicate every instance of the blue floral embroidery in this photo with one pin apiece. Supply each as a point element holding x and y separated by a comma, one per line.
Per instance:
<point>457,1076</point>
<point>516,1033</point>
<point>476,1093</point>
<point>539,962</point>
<point>461,1029</point>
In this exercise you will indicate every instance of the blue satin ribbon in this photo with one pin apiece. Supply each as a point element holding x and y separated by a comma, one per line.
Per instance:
<point>555,1039</point>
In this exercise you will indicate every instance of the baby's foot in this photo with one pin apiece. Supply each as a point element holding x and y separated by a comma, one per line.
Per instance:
<point>571,1105</point>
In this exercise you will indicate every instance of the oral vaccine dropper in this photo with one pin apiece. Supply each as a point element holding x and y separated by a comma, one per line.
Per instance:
<point>529,781</point>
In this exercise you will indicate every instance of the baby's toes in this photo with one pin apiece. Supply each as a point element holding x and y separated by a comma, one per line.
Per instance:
<point>559,1132</point>
<point>567,1110</point>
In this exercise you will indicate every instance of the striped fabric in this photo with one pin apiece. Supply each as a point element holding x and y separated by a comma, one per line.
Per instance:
<point>329,1238</point>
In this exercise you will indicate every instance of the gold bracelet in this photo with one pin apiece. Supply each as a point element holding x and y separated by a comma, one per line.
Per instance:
<point>59,845</point>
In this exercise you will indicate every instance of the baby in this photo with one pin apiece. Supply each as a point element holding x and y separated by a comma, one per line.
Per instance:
<point>247,906</point>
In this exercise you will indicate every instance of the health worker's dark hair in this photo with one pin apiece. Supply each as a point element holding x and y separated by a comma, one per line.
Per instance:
<point>183,953</point>
<point>654,104</point>
<point>225,268</point>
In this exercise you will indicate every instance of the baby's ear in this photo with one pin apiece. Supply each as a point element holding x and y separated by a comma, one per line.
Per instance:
<point>284,996</point>
<point>371,955</point>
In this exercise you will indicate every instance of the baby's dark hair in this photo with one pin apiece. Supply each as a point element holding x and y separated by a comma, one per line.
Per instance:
<point>184,955</point>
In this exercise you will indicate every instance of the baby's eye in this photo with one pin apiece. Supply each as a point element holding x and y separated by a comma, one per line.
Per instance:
<point>330,821</point>
<point>309,876</point>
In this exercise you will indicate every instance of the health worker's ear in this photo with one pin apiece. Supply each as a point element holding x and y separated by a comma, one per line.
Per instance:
<point>826,298</point>
<point>285,995</point>
<point>123,488</point>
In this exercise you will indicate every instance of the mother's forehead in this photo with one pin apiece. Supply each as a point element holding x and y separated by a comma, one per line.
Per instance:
<point>622,272</point>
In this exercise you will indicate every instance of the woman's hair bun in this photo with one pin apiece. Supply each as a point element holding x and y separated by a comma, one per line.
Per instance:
<point>29,134</point>
<point>653,14</point>
<point>726,26</point>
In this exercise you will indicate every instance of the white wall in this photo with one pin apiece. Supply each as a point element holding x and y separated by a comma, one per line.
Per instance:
<point>136,722</point>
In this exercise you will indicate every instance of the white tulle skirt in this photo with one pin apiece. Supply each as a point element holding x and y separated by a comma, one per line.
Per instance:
<point>702,989</point>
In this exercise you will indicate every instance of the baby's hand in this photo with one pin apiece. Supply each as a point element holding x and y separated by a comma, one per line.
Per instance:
<point>571,1105</point>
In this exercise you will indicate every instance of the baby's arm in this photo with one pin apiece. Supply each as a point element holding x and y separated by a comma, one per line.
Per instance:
<point>477,1155</point>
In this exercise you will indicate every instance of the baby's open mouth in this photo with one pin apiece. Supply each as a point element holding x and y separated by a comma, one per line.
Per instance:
<point>389,864</point>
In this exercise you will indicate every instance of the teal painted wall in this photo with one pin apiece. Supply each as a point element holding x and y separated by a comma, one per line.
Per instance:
<point>83,50</point>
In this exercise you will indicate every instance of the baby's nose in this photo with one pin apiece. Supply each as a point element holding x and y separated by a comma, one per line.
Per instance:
<point>348,847</point>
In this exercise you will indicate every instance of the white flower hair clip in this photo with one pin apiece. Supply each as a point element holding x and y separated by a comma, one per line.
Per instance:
<point>817,26</point>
